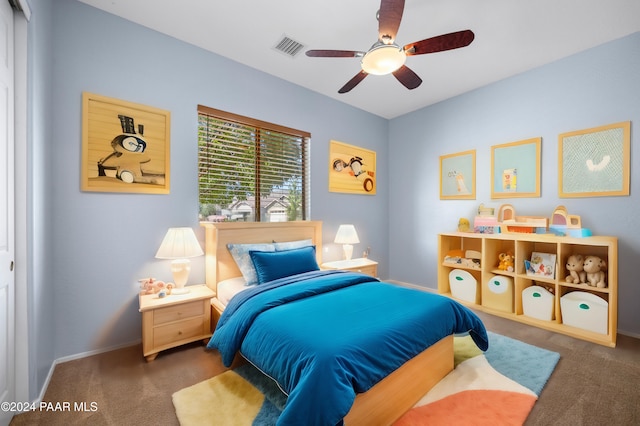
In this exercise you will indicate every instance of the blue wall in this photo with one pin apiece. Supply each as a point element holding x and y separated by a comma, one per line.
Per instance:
<point>94,246</point>
<point>88,249</point>
<point>40,244</point>
<point>593,88</point>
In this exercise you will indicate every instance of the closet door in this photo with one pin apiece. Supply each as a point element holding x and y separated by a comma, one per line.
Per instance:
<point>7,276</point>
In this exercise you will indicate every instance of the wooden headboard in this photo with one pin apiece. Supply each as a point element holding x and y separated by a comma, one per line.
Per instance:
<point>219,265</point>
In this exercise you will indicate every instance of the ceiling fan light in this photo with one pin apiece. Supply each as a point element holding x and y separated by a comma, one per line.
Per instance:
<point>383,59</point>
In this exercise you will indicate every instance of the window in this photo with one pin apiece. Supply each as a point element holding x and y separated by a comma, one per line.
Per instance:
<point>250,170</point>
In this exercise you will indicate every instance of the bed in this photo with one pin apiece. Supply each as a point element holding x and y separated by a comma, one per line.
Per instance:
<point>367,379</point>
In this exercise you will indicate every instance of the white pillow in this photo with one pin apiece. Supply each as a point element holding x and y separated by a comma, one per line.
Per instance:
<point>240,253</point>
<point>289,245</point>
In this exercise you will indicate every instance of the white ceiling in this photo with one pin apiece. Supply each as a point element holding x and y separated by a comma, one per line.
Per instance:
<point>511,36</point>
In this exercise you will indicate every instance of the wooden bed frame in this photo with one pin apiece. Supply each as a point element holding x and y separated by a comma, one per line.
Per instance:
<point>392,396</point>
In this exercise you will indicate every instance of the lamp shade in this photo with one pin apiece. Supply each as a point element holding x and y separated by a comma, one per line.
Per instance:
<point>347,235</point>
<point>179,243</point>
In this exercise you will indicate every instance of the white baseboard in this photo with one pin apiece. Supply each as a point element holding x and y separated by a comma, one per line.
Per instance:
<point>630,334</point>
<point>96,351</point>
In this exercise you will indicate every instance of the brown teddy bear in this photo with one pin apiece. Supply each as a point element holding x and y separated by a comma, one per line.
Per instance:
<point>505,262</point>
<point>575,266</point>
<point>595,267</point>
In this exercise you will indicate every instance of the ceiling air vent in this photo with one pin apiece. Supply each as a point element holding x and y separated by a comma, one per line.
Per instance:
<point>288,46</point>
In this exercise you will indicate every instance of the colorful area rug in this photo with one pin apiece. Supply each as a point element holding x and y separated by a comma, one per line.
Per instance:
<point>497,387</point>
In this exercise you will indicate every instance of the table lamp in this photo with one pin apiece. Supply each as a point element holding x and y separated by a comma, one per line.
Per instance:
<point>347,236</point>
<point>179,244</point>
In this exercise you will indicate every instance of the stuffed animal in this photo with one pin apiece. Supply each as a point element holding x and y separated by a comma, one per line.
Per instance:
<point>575,266</point>
<point>595,267</point>
<point>151,285</point>
<point>505,262</point>
<point>464,225</point>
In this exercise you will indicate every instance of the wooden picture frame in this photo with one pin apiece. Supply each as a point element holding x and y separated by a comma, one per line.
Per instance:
<point>125,146</point>
<point>351,169</point>
<point>458,176</point>
<point>515,169</point>
<point>595,162</point>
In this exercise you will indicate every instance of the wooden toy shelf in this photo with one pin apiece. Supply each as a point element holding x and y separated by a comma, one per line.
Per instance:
<point>521,245</point>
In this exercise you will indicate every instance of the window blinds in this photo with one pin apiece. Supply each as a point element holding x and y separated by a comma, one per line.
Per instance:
<point>247,166</point>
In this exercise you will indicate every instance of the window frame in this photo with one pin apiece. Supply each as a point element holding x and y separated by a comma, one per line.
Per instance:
<point>260,126</point>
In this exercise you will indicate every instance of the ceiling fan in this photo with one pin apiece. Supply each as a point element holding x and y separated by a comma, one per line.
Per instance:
<point>385,56</point>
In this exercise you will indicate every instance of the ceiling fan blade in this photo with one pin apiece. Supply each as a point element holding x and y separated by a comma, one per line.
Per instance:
<point>407,77</point>
<point>334,53</point>
<point>389,17</point>
<point>440,43</point>
<point>353,82</point>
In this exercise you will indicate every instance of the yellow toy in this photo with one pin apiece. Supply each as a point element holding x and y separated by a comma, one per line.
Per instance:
<point>506,262</point>
<point>464,225</point>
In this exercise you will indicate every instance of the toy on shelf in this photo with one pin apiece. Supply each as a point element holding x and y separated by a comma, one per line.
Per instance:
<point>563,223</point>
<point>505,262</point>
<point>595,267</point>
<point>511,223</point>
<point>485,211</point>
<point>464,225</point>
<point>541,264</point>
<point>575,266</point>
<point>485,222</point>
<point>465,258</point>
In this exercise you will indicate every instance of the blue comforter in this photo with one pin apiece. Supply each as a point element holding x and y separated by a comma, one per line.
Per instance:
<point>326,335</point>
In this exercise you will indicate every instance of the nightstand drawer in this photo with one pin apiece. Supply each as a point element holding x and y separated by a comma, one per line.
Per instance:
<point>178,312</point>
<point>178,331</point>
<point>369,270</point>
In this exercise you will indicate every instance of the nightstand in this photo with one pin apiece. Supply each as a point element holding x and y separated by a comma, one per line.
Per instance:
<point>364,265</point>
<point>175,319</point>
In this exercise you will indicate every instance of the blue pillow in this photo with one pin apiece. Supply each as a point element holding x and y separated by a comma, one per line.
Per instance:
<point>279,264</point>
<point>240,253</point>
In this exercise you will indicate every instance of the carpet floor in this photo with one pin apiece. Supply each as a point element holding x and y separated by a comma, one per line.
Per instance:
<point>498,387</point>
<point>592,385</point>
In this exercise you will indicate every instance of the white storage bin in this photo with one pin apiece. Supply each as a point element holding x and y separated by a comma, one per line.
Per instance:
<point>498,293</point>
<point>585,310</point>
<point>537,302</point>
<point>463,285</point>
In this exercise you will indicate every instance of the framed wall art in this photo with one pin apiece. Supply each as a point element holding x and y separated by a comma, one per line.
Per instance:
<point>515,169</point>
<point>125,146</point>
<point>351,169</point>
<point>595,162</point>
<point>458,176</point>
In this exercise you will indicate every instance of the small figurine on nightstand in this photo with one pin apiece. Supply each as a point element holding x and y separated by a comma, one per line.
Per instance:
<point>152,286</point>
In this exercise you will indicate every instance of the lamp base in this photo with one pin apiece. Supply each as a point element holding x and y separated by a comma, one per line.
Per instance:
<point>183,290</point>
<point>180,269</point>
<point>348,251</point>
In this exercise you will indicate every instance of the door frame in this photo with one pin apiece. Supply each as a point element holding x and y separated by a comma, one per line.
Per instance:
<point>21,149</point>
